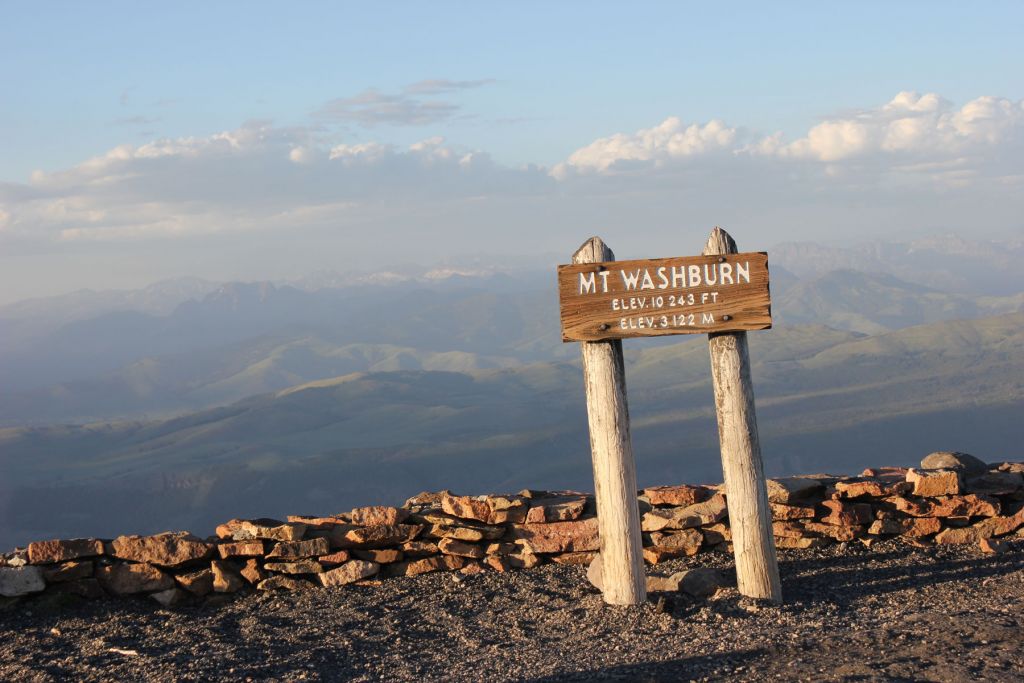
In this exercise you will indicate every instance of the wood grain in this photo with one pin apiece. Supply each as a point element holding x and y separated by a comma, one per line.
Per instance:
<point>746,492</point>
<point>618,514</point>
<point>597,302</point>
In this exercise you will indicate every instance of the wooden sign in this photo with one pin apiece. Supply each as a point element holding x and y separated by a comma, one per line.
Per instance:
<point>655,297</point>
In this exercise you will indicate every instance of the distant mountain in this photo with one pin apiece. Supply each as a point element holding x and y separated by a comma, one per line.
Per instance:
<point>24,321</point>
<point>875,303</point>
<point>827,400</point>
<point>946,263</point>
<point>444,318</point>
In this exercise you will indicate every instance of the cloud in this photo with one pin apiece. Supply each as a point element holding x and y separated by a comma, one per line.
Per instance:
<point>915,159</point>
<point>437,86</point>
<point>253,178</point>
<point>912,137</point>
<point>407,108</point>
<point>669,141</point>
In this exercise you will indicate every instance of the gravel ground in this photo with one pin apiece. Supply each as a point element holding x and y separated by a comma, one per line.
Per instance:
<point>893,612</point>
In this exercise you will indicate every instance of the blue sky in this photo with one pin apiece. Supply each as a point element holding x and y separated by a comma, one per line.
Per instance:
<point>515,90</point>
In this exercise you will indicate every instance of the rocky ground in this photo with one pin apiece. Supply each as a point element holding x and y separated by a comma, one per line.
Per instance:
<point>891,612</point>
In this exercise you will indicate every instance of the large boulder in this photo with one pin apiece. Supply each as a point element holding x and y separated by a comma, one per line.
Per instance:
<point>964,462</point>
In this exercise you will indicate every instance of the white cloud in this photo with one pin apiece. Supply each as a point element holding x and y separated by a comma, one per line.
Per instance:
<point>916,155</point>
<point>668,141</point>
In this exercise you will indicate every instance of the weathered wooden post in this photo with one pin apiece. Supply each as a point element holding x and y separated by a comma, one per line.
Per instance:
<point>721,293</point>
<point>611,450</point>
<point>750,518</point>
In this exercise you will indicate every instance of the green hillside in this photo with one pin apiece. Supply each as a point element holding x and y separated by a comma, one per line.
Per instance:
<point>827,400</point>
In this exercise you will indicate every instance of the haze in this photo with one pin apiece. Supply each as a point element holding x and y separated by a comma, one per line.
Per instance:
<point>250,141</point>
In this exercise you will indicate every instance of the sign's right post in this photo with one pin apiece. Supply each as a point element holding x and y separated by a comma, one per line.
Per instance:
<point>750,518</point>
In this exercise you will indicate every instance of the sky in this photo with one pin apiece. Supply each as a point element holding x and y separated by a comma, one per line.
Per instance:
<point>257,140</point>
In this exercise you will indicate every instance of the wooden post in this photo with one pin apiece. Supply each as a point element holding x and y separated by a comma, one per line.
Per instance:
<point>618,513</point>
<point>750,518</point>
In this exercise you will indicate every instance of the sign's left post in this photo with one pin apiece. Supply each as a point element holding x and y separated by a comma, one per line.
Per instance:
<point>618,513</point>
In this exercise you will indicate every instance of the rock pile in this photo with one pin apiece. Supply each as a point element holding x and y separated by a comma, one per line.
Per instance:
<point>952,498</point>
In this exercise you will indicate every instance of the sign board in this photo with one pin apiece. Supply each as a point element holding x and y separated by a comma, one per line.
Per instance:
<point>655,297</point>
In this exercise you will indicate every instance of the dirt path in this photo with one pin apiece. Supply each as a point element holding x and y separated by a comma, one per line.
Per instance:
<point>889,613</point>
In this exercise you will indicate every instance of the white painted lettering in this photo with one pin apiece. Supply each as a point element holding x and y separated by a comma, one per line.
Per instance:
<point>710,277</point>
<point>707,319</point>
<point>743,272</point>
<point>648,283</point>
<point>629,280</point>
<point>694,276</point>
<point>664,278</point>
<point>604,281</point>
<point>587,285</point>
<point>725,271</point>
<point>678,276</point>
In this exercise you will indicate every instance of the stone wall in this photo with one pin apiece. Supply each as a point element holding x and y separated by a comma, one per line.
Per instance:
<point>952,498</point>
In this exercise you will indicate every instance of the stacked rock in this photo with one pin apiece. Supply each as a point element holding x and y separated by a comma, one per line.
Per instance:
<point>952,498</point>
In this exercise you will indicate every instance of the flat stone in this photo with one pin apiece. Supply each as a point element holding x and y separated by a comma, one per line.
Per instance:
<point>450,546</point>
<point>656,554</point>
<point>716,533</point>
<point>788,489</point>
<point>574,559</point>
<point>170,597</point>
<point>835,532</point>
<point>240,549</point>
<point>318,522</point>
<point>799,543</point>
<point>664,584</point>
<point>253,572</point>
<point>471,534</point>
<point>339,557</point>
<point>788,530</point>
<point>472,569</point>
<point>561,509</point>
<point>559,537</point>
<point>702,582</point>
<point>425,565</point>
<point>383,535</point>
<point>487,509</point>
<point>68,571</point>
<point>226,578</point>
<point>913,527</point>
<point>987,528</point>
<point>708,512</point>
<point>295,567</point>
<point>970,505</point>
<point>18,581</point>
<point>270,529</point>
<point>281,582</point>
<point>300,549</point>
<point>44,552</point>
<point>129,579</point>
<point>847,514</point>
<point>873,488</point>
<point>688,541</point>
<point>682,495</point>
<point>165,550</point>
<point>426,499</point>
<point>965,462</point>
<point>782,512</point>
<point>420,548</point>
<point>197,583</point>
<point>378,515</point>
<point>995,483</point>
<point>380,556</point>
<point>931,483</point>
<point>350,572</point>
